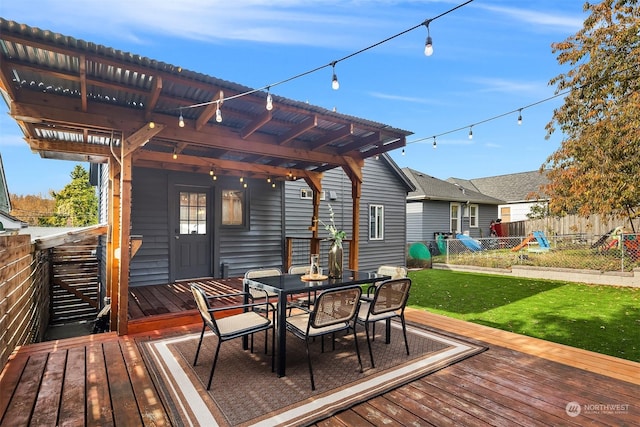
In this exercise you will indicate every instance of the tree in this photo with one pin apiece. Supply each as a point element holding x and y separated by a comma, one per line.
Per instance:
<point>30,208</point>
<point>76,203</point>
<point>596,168</point>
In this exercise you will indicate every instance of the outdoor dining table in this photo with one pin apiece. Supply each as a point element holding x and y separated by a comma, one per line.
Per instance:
<point>291,284</point>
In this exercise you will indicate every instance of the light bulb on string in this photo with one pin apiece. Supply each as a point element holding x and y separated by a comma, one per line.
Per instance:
<point>520,116</point>
<point>244,185</point>
<point>434,143</point>
<point>269,105</point>
<point>175,154</point>
<point>152,125</point>
<point>241,179</point>
<point>218,114</point>
<point>428,45</point>
<point>273,185</point>
<point>268,179</point>
<point>471,132</point>
<point>181,120</point>
<point>335,85</point>
<point>403,151</point>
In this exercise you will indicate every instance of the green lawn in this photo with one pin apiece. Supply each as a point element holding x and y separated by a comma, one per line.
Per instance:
<point>604,319</point>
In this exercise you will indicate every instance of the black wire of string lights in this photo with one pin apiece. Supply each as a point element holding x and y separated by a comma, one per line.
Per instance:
<point>332,64</point>
<point>517,110</point>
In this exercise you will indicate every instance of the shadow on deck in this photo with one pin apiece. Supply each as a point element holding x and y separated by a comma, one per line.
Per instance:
<point>162,306</point>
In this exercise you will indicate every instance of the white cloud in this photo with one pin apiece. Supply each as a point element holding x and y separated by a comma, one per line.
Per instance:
<point>569,23</point>
<point>411,99</point>
<point>487,84</point>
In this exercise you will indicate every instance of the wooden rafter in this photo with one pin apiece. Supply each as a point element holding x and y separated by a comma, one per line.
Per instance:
<point>83,82</point>
<point>210,110</point>
<point>256,124</point>
<point>334,136</point>
<point>299,130</point>
<point>153,97</point>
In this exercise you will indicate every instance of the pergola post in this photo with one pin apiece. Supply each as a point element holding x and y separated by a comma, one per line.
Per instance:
<point>353,170</point>
<point>113,236</point>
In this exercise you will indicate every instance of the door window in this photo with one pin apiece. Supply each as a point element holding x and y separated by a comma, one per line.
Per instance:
<point>193,213</point>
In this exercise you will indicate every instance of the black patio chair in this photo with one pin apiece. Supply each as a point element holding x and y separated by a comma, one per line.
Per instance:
<point>334,310</point>
<point>233,326</point>
<point>389,301</point>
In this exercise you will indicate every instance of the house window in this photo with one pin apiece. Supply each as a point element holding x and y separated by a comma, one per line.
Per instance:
<point>376,222</point>
<point>473,216</point>
<point>307,193</point>
<point>234,209</point>
<point>455,216</point>
<point>193,213</point>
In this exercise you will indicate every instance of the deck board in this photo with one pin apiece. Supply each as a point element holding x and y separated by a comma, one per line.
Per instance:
<point>518,381</point>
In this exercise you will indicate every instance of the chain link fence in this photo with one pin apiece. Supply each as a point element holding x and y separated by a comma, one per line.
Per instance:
<point>614,251</point>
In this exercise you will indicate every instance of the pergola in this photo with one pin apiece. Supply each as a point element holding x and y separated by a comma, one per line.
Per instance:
<point>78,101</point>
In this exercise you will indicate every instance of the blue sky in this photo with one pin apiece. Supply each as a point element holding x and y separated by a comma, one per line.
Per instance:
<point>491,57</point>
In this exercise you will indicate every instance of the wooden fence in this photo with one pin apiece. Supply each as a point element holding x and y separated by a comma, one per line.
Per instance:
<point>24,294</point>
<point>567,225</point>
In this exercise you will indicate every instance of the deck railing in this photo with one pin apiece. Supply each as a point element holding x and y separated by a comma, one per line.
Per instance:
<point>298,251</point>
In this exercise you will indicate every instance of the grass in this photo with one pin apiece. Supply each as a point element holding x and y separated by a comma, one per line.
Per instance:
<point>604,319</point>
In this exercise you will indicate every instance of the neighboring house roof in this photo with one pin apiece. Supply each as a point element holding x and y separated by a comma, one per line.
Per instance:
<point>511,188</point>
<point>5,202</point>
<point>9,222</point>
<point>431,188</point>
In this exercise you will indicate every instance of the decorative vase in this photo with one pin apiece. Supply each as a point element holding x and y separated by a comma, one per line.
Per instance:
<point>335,259</point>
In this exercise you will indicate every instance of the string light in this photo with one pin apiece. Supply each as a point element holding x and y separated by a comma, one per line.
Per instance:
<point>244,185</point>
<point>335,84</point>
<point>470,132</point>
<point>273,185</point>
<point>269,105</point>
<point>269,179</point>
<point>434,143</point>
<point>428,45</point>
<point>218,114</point>
<point>152,125</point>
<point>517,110</point>
<point>403,151</point>
<point>241,179</point>
<point>181,120</point>
<point>175,153</point>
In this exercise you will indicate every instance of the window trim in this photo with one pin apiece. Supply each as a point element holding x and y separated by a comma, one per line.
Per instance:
<point>476,216</point>
<point>458,218</point>
<point>307,194</point>
<point>245,209</point>
<point>379,222</point>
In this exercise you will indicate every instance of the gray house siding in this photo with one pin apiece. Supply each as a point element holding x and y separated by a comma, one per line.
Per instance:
<point>381,186</point>
<point>239,249</point>
<point>262,244</point>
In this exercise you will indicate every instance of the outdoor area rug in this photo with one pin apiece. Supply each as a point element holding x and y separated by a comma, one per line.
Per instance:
<point>245,392</point>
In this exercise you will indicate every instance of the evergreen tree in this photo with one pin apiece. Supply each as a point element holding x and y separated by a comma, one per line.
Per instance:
<point>76,203</point>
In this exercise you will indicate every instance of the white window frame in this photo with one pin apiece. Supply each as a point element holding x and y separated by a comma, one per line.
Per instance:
<point>457,219</point>
<point>474,219</point>
<point>307,194</point>
<point>376,222</point>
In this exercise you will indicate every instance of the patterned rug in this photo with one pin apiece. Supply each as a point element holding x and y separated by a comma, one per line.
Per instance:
<point>245,392</point>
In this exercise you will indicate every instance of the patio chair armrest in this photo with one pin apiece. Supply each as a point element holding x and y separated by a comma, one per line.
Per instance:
<point>235,294</point>
<point>270,307</point>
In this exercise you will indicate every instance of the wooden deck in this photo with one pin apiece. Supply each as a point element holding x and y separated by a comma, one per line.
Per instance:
<point>102,380</point>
